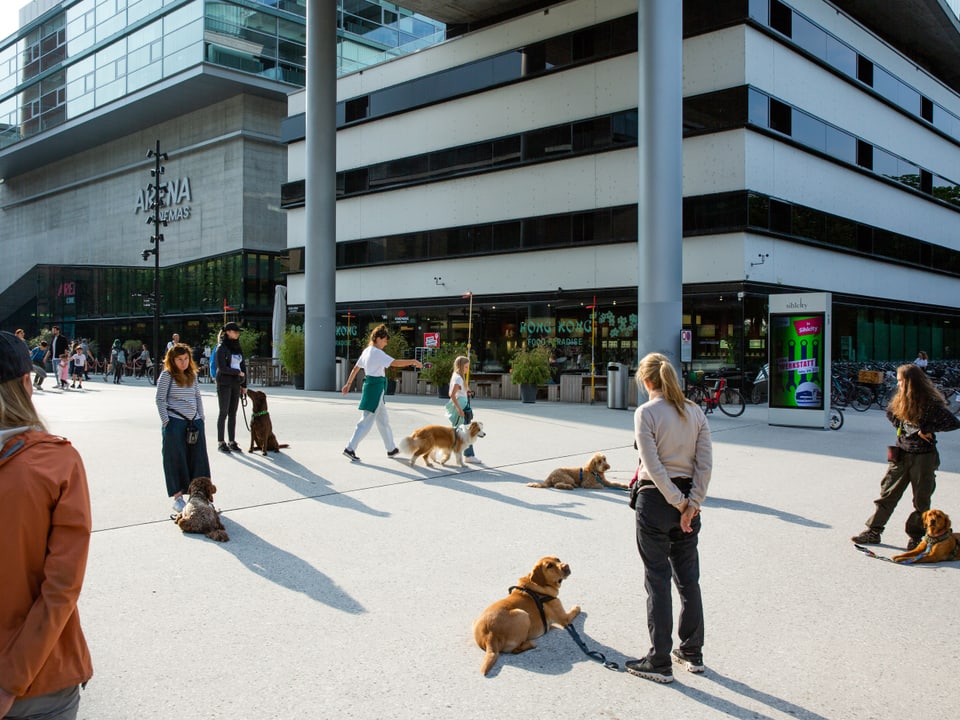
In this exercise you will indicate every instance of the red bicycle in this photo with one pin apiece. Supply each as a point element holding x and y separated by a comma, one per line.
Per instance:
<point>721,395</point>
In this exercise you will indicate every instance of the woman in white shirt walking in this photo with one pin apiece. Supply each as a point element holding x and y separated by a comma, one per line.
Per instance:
<point>373,361</point>
<point>676,460</point>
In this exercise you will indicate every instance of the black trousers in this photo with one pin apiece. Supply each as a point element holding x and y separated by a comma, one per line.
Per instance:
<point>182,462</point>
<point>228,397</point>
<point>668,552</point>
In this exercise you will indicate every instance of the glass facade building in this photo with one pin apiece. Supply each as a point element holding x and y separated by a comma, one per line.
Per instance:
<point>89,53</point>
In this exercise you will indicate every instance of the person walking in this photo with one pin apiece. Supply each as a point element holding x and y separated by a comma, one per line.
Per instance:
<point>184,446</point>
<point>174,339</point>
<point>918,411</point>
<point>676,461</point>
<point>63,371</point>
<point>460,397</point>
<point>231,385</point>
<point>373,361</point>
<point>36,356</point>
<point>118,359</point>
<point>45,527</point>
<point>58,346</point>
<point>78,362</point>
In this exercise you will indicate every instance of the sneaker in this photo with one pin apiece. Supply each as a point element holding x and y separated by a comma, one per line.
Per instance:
<point>179,504</point>
<point>472,459</point>
<point>690,663</point>
<point>222,447</point>
<point>912,543</point>
<point>351,454</point>
<point>643,668</point>
<point>867,537</point>
<point>393,453</point>
<point>234,446</point>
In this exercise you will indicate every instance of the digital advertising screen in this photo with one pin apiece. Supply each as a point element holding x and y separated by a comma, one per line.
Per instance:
<point>797,361</point>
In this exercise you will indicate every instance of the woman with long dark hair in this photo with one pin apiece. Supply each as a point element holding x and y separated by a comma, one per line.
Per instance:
<point>918,411</point>
<point>181,412</point>
<point>676,461</point>
<point>231,385</point>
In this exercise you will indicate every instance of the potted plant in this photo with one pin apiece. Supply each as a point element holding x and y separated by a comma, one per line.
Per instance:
<point>292,355</point>
<point>530,367</point>
<point>438,366</point>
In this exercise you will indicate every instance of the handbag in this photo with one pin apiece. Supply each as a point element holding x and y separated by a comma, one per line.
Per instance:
<point>452,413</point>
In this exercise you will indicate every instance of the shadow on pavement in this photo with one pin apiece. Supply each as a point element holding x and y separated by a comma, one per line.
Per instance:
<point>718,502</point>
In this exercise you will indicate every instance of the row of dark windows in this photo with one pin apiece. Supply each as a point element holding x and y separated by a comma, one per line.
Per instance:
<point>735,108</point>
<point>598,42</point>
<point>608,132</point>
<point>739,211</point>
<point>829,50</point>
<point>746,210</point>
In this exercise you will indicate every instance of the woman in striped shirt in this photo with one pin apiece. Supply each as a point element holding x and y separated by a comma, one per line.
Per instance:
<point>180,406</point>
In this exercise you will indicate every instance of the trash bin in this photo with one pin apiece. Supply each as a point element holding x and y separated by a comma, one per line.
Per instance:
<point>618,379</point>
<point>341,377</point>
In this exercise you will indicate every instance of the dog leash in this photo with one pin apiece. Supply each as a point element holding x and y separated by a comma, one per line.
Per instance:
<point>243,407</point>
<point>594,654</point>
<point>909,561</point>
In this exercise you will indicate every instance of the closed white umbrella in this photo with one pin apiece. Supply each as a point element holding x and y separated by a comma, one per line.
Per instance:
<point>279,317</point>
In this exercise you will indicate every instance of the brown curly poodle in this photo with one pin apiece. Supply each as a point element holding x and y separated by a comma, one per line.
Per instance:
<point>200,516</point>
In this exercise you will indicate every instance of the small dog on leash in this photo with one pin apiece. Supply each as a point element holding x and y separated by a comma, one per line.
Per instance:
<point>200,516</point>
<point>531,608</point>
<point>261,426</point>
<point>591,476</point>
<point>442,439</point>
<point>939,543</point>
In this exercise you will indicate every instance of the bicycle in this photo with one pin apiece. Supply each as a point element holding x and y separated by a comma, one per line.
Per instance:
<point>836,417</point>
<point>758,395</point>
<point>722,396</point>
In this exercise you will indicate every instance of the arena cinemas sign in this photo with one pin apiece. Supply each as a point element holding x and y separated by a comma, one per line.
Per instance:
<point>176,200</point>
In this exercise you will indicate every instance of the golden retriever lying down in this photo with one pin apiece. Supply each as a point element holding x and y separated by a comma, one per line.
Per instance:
<point>200,516</point>
<point>590,476</point>
<point>940,542</point>
<point>510,624</point>
<point>442,440</point>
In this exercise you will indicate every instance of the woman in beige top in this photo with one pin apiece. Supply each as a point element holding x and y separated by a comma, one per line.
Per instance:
<point>676,458</point>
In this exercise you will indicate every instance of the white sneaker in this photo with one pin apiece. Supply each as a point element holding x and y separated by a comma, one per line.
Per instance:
<point>179,504</point>
<point>473,460</point>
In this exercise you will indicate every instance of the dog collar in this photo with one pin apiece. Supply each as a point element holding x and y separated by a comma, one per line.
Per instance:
<point>262,412</point>
<point>596,476</point>
<point>931,540</point>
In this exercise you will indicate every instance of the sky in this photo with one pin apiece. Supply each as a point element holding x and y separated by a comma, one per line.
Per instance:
<point>9,16</point>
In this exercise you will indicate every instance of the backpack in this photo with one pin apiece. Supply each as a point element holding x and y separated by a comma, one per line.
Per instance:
<point>121,356</point>
<point>213,363</point>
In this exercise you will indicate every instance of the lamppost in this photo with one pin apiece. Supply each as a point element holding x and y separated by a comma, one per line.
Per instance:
<point>156,191</point>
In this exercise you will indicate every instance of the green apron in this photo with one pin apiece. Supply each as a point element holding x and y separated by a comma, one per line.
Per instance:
<point>373,389</point>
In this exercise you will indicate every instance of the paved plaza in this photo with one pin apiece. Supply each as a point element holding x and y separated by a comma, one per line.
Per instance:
<point>348,590</point>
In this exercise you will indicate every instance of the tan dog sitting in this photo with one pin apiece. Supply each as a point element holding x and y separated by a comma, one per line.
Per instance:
<point>591,476</point>
<point>261,426</point>
<point>200,516</point>
<point>510,624</point>
<point>939,544</point>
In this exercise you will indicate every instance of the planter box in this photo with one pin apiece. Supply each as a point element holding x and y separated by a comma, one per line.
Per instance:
<point>870,377</point>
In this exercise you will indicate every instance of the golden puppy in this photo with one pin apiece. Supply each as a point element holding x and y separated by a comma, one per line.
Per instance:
<point>261,426</point>
<point>200,516</point>
<point>442,439</point>
<point>510,624</point>
<point>939,544</point>
<point>590,476</point>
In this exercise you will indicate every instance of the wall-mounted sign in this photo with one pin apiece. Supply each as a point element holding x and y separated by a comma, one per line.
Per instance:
<point>431,340</point>
<point>177,193</point>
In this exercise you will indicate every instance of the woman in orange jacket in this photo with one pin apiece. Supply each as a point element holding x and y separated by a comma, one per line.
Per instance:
<point>45,534</point>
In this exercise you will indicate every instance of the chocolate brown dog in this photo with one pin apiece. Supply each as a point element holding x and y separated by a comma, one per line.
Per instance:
<point>200,516</point>
<point>261,426</point>
<point>510,624</point>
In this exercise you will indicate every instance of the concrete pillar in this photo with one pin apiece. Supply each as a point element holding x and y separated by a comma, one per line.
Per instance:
<point>320,255</point>
<point>660,209</point>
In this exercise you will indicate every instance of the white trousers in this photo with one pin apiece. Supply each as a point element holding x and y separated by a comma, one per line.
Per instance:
<point>366,422</point>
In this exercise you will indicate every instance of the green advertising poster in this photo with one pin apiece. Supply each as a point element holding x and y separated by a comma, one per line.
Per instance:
<point>796,367</point>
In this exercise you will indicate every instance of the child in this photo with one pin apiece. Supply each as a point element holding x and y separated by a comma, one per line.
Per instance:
<point>64,370</point>
<point>79,359</point>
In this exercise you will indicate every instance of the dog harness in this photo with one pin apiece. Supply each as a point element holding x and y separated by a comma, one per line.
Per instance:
<point>946,535</point>
<point>596,475</point>
<point>538,599</point>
